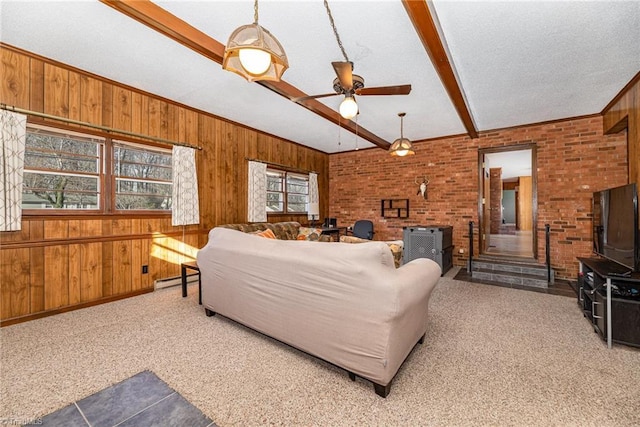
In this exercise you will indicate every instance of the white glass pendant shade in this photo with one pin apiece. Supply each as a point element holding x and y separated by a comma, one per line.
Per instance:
<point>255,61</point>
<point>255,54</point>
<point>348,108</point>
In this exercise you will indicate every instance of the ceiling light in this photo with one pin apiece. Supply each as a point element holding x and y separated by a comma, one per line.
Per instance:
<point>254,53</point>
<point>348,107</point>
<point>402,146</point>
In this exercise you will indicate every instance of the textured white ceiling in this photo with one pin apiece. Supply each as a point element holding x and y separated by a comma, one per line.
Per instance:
<point>527,62</point>
<point>518,62</point>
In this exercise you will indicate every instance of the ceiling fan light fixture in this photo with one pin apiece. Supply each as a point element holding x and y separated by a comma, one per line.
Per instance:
<point>254,53</point>
<point>402,146</point>
<point>348,107</point>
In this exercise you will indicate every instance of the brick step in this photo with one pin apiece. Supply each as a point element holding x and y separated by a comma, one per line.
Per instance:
<point>532,270</point>
<point>514,271</point>
<point>511,278</point>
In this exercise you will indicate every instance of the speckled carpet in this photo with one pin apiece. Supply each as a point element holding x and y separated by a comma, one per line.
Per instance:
<point>492,356</point>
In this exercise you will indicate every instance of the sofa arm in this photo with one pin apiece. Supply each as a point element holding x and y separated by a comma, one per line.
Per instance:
<point>414,282</point>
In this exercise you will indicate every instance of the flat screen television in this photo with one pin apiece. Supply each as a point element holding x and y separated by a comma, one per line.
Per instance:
<point>615,225</point>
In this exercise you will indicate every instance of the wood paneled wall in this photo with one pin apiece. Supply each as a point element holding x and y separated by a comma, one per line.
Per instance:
<point>58,263</point>
<point>625,113</point>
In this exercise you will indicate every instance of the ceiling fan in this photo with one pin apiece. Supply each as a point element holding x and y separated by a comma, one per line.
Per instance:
<point>349,85</point>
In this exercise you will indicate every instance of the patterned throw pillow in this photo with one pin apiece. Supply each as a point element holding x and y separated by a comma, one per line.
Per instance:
<point>306,233</point>
<point>267,234</point>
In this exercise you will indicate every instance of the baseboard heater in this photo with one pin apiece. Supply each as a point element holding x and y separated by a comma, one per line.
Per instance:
<point>174,281</point>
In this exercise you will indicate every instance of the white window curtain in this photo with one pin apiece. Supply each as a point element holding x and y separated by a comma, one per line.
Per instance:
<point>257,207</point>
<point>13,134</point>
<point>185,206</point>
<point>313,210</point>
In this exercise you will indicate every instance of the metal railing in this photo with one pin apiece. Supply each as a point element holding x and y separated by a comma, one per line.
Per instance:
<point>547,260</point>
<point>470,263</point>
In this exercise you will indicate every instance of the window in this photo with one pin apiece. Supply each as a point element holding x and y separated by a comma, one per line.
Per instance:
<point>65,171</point>
<point>287,192</point>
<point>62,171</point>
<point>142,178</point>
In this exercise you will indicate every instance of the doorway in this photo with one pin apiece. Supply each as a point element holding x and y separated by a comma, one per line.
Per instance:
<point>507,204</point>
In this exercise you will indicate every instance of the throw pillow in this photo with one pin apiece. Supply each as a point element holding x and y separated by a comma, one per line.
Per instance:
<point>307,233</point>
<point>267,234</point>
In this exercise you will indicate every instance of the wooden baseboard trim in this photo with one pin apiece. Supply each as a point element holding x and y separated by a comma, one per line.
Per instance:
<point>40,315</point>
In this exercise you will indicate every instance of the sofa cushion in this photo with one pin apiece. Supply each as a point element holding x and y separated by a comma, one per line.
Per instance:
<point>246,228</point>
<point>282,230</point>
<point>285,230</point>
<point>307,233</point>
<point>395,246</point>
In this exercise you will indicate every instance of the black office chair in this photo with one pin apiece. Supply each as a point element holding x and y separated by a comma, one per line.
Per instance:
<point>363,229</point>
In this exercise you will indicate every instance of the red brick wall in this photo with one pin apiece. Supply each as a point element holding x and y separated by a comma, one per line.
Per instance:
<point>574,159</point>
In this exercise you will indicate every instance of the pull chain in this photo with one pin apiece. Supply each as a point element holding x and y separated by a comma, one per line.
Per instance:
<point>357,132</point>
<point>339,128</point>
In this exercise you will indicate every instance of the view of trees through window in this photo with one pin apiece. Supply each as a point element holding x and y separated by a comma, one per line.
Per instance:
<point>61,172</point>
<point>287,192</point>
<point>67,172</point>
<point>143,178</point>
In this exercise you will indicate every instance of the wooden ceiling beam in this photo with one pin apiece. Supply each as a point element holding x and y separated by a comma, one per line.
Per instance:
<point>425,26</point>
<point>159,19</point>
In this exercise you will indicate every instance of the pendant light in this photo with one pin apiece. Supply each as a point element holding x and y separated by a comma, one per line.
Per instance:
<point>254,53</point>
<point>402,146</point>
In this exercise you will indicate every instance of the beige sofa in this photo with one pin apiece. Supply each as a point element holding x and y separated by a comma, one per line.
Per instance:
<point>344,303</point>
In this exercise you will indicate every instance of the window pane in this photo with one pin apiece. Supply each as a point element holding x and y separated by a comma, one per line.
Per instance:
<point>274,182</point>
<point>75,186</point>
<point>297,184</point>
<point>137,194</point>
<point>137,163</point>
<point>61,143</point>
<point>149,183</point>
<point>296,203</point>
<point>275,202</point>
<point>59,161</point>
<point>53,191</point>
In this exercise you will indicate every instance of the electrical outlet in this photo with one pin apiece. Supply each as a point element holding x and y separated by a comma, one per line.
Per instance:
<point>461,251</point>
<point>145,269</point>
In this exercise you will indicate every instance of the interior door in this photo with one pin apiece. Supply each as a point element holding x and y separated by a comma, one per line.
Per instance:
<point>525,206</point>
<point>518,167</point>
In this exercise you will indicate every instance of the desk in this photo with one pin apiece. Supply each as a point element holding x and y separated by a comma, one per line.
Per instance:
<point>334,232</point>
<point>193,265</point>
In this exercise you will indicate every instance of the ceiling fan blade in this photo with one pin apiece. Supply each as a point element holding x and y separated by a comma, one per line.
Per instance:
<point>344,71</point>
<point>385,90</point>
<point>304,98</point>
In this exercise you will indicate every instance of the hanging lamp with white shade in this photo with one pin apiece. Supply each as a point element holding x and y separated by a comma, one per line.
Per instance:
<point>402,146</point>
<point>254,53</point>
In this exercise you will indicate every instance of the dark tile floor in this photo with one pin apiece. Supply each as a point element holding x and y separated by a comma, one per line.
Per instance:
<point>142,400</point>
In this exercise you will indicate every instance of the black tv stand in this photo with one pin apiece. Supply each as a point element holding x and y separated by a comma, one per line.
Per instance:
<point>609,295</point>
